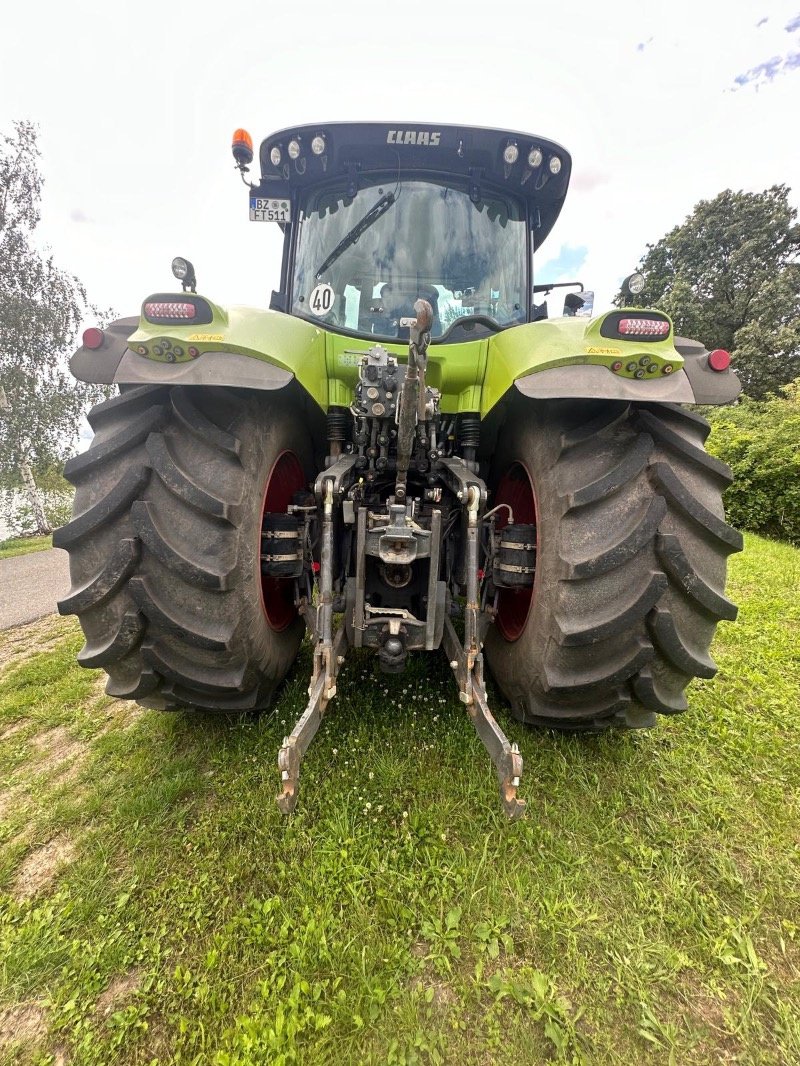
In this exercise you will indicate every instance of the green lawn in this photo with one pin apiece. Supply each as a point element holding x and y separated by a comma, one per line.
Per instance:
<point>23,545</point>
<point>155,907</point>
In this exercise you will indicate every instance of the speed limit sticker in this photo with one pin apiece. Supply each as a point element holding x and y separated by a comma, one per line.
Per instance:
<point>320,302</point>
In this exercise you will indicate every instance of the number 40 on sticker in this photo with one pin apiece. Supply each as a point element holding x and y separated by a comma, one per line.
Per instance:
<point>320,301</point>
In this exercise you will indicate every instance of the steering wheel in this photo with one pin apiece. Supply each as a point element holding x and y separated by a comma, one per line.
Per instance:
<point>478,320</point>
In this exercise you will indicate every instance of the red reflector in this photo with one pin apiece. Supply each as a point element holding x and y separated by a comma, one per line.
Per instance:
<point>93,338</point>
<point>171,309</point>
<point>719,359</point>
<point>643,327</point>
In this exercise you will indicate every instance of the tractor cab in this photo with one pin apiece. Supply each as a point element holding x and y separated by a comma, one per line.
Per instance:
<point>377,215</point>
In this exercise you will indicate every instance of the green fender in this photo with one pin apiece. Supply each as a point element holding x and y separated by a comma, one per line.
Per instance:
<point>558,358</point>
<point>241,346</point>
<point>570,357</point>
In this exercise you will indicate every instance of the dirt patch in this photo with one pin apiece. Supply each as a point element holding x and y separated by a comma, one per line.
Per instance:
<point>120,990</point>
<point>118,715</point>
<point>40,866</point>
<point>24,1023</point>
<point>699,1006</point>
<point>58,749</point>
<point>443,996</point>
<point>12,730</point>
<point>22,642</point>
<point>10,798</point>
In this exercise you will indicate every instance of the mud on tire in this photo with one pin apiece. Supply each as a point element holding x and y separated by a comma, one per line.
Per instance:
<point>631,561</point>
<point>164,546</point>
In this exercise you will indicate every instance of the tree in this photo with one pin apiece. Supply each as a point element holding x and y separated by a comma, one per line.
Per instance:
<point>729,276</point>
<point>41,308</point>
<point>760,441</point>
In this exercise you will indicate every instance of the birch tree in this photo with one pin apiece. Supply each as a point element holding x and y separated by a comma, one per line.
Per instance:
<point>41,308</point>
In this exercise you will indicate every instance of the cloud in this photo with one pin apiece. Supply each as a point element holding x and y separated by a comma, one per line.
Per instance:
<point>640,47</point>
<point>79,216</point>
<point>566,264</point>
<point>762,22</point>
<point>765,72</point>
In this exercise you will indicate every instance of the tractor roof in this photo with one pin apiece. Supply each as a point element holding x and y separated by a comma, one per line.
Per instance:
<point>351,151</point>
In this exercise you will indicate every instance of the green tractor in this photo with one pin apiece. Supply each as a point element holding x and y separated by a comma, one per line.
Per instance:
<point>406,452</point>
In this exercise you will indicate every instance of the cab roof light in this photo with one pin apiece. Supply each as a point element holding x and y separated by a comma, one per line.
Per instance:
<point>275,155</point>
<point>643,327</point>
<point>510,154</point>
<point>293,148</point>
<point>318,144</point>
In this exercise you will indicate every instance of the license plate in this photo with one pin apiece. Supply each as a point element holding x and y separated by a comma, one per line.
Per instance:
<point>268,210</point>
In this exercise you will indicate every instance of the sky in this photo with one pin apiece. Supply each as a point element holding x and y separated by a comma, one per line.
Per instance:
<point>660,104</point>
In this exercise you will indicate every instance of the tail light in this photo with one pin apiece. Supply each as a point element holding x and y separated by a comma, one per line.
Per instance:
<point>643,327</point>
<point>169,309</point>
<point>157,310</point>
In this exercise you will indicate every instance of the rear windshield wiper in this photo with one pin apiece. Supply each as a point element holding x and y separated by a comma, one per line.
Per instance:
<point>374,213</point>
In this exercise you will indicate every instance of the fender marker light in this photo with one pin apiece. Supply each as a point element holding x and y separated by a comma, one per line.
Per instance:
<point>719,359</point>
<point>93,338</point>
<point>643,327</point>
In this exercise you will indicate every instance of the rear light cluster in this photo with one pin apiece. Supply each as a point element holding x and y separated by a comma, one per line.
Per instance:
<point>175,309</point>
<point>643,327</point>
<point>640,368</point>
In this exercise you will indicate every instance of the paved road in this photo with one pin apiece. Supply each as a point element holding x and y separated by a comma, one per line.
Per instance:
<point>31,584</point>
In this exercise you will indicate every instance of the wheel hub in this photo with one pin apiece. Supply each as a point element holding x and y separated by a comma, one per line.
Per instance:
<point>277,594</point>
<point>516,490</point>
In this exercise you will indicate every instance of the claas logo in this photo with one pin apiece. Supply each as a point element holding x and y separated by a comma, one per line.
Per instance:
<point>413,137</point>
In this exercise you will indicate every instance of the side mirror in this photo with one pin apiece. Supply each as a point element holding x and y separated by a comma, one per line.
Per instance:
<point>579,304</point>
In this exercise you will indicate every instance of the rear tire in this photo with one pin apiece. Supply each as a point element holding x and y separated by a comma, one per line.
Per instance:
<point>165,551</point>
<point>631,561</point>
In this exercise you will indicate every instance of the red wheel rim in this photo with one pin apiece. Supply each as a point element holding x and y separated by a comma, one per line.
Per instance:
<point>277,594</point>
<point>514,605</point>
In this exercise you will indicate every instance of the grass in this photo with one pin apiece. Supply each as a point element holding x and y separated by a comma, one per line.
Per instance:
<point>155,907</point>
<point>23,545</point>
